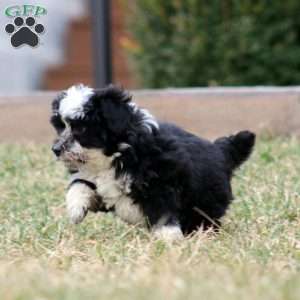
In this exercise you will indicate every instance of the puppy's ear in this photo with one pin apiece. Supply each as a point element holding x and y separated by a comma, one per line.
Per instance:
<point>116,116</point>
<point>113,108</point>
<point>55,118</point>
<point>56,102</point>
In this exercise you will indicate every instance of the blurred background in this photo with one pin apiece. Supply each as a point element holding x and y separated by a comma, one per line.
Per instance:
<point>234,64</point>
<point>213,67</point>
<point>156,44</point>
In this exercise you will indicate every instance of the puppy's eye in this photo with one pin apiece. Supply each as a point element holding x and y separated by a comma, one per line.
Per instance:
<point>77,128</point>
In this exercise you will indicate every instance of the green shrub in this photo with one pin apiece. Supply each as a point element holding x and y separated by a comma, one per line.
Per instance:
<point>216,42</point>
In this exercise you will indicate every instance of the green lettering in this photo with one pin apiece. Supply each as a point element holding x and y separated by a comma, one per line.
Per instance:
<point>40,11</point>
<point>28,10</point>
<point>12,11</point>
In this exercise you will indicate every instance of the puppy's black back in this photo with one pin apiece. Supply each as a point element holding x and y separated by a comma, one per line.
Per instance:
<point>206,173</point>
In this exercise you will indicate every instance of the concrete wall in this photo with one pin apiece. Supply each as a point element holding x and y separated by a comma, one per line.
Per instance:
<point>209,112</point>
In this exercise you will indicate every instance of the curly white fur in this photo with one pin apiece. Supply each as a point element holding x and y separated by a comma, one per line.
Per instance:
<point>72,104</point>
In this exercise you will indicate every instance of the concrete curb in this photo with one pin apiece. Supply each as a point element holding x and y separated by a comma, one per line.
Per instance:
<point>209,112</point>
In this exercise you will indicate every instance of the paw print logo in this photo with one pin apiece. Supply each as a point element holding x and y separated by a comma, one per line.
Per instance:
<point>24,33</point>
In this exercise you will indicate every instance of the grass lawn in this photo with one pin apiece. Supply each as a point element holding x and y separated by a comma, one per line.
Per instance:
<point>255,256</point>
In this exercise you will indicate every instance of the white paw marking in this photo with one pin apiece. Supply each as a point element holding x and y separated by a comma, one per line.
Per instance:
<point>76,213</point>
<point>79,199</point>
<point>168,232</point>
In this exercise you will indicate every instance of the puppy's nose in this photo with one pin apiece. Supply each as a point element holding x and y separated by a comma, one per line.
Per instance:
<point>56,150</point>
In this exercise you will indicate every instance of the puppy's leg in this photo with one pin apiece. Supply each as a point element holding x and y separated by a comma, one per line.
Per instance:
<point>80,198</point>
<point>162,213</point>
<point>167,228</point>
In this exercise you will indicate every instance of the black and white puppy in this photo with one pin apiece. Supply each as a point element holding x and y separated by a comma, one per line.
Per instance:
<point>123,160</point>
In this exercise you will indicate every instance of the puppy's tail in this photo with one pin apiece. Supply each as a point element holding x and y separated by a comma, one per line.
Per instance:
<point>237,148</point>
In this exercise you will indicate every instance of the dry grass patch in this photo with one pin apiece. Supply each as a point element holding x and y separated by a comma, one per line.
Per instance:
<point>255,256</point>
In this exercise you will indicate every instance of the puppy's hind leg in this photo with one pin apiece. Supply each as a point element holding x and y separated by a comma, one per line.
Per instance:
<point>80,198</point>
<point>167,229</point>
<point>162,214</point>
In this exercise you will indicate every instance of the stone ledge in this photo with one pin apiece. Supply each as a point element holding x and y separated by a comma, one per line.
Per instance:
<point>209,112</point>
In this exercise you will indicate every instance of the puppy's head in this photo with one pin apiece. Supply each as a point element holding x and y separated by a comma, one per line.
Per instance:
<point>87,120</point>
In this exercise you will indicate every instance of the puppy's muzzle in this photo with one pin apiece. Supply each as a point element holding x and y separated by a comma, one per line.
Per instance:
<point>62,143</point>
<point>57,148</point>
<point>60,146</point>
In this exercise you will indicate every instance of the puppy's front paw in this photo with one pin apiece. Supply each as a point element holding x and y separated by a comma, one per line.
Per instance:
<point>76,213</point>
<point>79,198</point>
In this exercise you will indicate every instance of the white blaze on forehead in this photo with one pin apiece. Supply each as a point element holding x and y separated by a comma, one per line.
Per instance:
<point>71,106</point>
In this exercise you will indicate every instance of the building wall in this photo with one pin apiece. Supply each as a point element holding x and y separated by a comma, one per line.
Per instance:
<point>78,62</point>
<point>22,68</point>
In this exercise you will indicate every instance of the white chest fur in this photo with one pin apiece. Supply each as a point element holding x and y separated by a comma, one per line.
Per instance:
<point>114,192</point>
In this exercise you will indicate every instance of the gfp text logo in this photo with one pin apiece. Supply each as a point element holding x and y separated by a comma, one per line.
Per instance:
<point>24,29</point>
